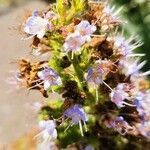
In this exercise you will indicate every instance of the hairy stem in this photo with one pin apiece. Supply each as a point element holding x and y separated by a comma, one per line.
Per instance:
<point>81,80</point>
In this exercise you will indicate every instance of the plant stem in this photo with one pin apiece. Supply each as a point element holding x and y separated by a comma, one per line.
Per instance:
<point>81,80</point>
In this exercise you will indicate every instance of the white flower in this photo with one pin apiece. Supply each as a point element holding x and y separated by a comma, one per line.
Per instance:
<point>73,42</point>
<point>48,133</point>
<point>49,129</point>
<point>142,102</point>
<point>35,25</point>
<point>85,29</point>
<point>131,66</point>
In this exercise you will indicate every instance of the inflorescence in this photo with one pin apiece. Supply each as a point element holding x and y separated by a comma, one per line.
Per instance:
<point>91,66</point>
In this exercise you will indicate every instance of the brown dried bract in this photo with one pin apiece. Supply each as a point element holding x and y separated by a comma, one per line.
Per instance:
<point>104,50</point>
<point>94,13</point>
<point>28,73</point>
<point>96,41</point>
<point>41,45</point>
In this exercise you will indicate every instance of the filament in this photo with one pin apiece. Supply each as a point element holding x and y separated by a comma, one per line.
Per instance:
<point>72,55</point>
<point>96,92</point>
<point>141,64</point>
<point>136,55</point>
<point>108,86</point>
<point>129,104</point>
<point>68,127</point>
<point>36,85</point>
<point>81,129</point>
<point>36,80</point>
<point>38,135</point>
<point>145,73</point>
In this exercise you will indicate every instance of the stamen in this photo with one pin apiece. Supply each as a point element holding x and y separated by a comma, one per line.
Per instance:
<point>96,92</point>
<point>36,85</point>
<point>64,121</point>
<point>141,64</point>
<point>136,55</point>
<point>128,104</point>
<point>67,127</point>
<point>145,73</point>
<point>58,119</point>
<point>85,126</point>
<point>72,55</point>
<point>117,12</point>
<point>81,130</point>
<point>116,30</point>
<point>38,135</point>
<point>36,80</point>
<point>108,86</point>
<point>136,46</point>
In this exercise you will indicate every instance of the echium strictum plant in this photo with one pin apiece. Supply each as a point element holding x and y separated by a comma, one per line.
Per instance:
<point>105,98</point>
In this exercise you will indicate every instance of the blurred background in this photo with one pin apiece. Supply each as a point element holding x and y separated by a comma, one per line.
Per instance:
<point>17,114</point>
<point>137,14</point>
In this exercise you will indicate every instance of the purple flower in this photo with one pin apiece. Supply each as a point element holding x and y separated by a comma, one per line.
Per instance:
<point>76,114</point>
<point>144,129</point>
<point>73,42</point>
<point>142,102</point>
<point>85,29</point>
<point>117,98</point>
<point>48,132</point>
<point>95,75</point>
<point>122,46</point>
<point>120,125</point>
<point>125,47</point>
<point>35,13</point>
<point>118,95</point>
<point>100,69</point>
<point>49,77</point>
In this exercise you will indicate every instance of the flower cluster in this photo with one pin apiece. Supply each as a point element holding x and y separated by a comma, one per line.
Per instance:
<point>96,72</point>
<point>83,32</point>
